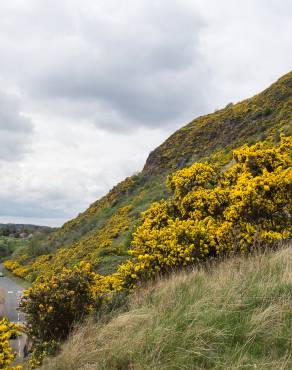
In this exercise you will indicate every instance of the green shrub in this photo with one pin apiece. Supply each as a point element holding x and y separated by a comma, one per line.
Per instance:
<point>56,301</point>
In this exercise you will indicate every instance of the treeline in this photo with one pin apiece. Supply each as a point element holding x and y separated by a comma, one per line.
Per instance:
<point>15,238</point>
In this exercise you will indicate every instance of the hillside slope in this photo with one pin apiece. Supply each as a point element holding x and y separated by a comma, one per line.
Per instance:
<point>235,315</point>
<point>102,234</point>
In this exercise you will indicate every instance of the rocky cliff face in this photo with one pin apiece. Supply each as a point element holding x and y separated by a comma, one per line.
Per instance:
<point>248,121</point>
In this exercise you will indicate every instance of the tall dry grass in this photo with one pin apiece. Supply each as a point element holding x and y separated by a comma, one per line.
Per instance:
<point>235,315</point>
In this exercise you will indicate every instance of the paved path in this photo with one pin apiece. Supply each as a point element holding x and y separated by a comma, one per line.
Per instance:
<point>12,294</point>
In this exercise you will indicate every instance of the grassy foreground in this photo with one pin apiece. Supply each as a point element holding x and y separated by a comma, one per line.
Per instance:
<point>236,315</point>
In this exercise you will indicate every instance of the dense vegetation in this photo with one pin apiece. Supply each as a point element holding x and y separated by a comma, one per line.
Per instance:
<point>213,212</point>
<point>8,245</point>
<point>17,239</point>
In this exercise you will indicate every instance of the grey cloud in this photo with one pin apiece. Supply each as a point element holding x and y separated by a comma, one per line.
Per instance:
<point>54,203</point>
<point>144,65</point>
<point>15,129</point>
<point>14,208</point>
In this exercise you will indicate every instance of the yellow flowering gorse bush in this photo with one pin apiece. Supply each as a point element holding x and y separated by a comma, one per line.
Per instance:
<point>8,331</point>
<point>57,301</point>
<point>214,211</point>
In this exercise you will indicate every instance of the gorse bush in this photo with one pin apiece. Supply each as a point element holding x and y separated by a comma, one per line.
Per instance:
<point>213,212</point>
<point>60,299</point>
<point>57,300</point>
<point>52,306</point>
<point>8,331</point>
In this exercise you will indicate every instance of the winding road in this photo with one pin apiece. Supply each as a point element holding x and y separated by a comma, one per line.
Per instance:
<point>12,293</point>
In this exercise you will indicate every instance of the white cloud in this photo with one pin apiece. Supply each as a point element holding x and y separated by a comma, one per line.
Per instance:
<point>247,45</point>
<point>119,65</point>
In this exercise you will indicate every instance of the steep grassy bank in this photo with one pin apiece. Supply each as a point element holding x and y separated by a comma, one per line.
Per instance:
<point>235,315</point>
<point>102,234</point>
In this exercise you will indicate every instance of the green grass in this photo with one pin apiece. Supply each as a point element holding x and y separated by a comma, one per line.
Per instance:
<point>110,263</point>
<point>236,314</point>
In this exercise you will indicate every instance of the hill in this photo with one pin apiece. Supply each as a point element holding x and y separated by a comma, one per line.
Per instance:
<point>103,233</point>
<point>235,314</point>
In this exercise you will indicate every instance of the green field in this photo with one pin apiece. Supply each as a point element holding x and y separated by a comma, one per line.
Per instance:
<point>9,245</point>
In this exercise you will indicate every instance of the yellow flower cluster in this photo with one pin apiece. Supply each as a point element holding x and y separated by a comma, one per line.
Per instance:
<point>248,205</point>
<point>199,175</point>
<point>16,268</point>
<point>7,331</point>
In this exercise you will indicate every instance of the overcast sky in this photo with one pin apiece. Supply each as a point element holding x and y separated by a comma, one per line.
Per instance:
<point>88,88</point>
